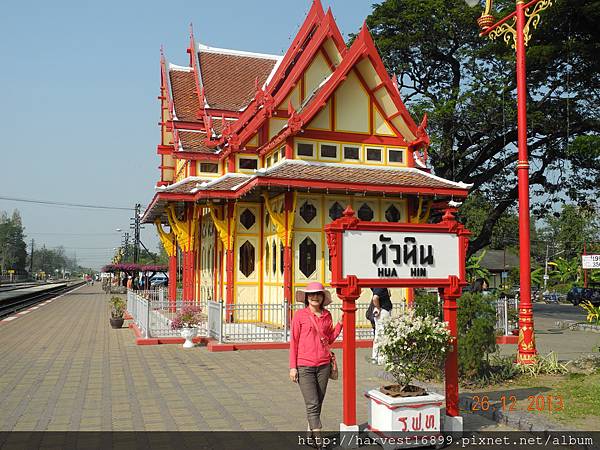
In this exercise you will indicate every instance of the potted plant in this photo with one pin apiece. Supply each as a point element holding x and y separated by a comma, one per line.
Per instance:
<point>411,347</point>
<point>117,310</point>
<point>188,319</point>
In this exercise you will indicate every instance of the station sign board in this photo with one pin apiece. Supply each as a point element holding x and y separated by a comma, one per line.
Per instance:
<point>373,254</point>
<point>384,254</point>
<point>590,261</point>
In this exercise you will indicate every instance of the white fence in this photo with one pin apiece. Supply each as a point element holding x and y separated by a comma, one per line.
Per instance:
<point>153,313</point>
<point>505,308</point>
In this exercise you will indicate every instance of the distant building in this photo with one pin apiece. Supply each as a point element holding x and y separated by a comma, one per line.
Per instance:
<point>259,152</point>
<point>497,262</point>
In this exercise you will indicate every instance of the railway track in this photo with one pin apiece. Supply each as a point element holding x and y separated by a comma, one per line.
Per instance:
<point>18,302</point>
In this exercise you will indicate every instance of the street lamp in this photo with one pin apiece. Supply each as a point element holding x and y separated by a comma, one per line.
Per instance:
<point>516,26</point>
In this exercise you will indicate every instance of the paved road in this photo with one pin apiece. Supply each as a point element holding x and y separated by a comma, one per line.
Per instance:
<point>568,344</point>
<point>558,311</point>
<point>63,368</point>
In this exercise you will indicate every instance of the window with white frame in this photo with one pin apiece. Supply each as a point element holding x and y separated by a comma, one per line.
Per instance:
<point>328,151</point>
<point>374,154</point>
<point>248,163</point>
<point>209,167</point>
<point>395,155</point>
<point>352,152</point>
<point>305,149</point>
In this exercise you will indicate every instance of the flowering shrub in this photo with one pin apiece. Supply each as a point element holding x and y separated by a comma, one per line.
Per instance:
<point>189,317</point>
<point>117,307</point>
<point>413,346</point>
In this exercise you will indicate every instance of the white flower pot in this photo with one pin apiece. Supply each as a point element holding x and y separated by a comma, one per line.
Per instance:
<point>415,416</point>
<point>188,334</point>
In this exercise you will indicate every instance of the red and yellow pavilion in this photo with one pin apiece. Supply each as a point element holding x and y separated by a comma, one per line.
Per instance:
<point>259,152</point>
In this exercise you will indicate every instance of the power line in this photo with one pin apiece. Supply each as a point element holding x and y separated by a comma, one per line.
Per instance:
<point>73,234</point>
<point>77,205</point>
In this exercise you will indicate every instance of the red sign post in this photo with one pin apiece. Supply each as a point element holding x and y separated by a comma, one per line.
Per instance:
<point>384,254</point>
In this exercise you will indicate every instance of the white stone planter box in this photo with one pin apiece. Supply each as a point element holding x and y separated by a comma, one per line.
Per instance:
<point>393,417</point>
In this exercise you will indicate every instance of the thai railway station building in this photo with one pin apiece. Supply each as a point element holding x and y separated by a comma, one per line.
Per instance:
<point>259,152</point>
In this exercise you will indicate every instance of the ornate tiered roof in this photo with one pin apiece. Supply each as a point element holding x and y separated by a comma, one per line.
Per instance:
<point>229,102</point>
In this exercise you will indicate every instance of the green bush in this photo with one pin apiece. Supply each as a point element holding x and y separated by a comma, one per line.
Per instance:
<point>476,335</point>
<point>426,304</point>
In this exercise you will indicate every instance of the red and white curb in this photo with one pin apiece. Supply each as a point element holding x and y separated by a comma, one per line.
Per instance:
<point>39,305</point>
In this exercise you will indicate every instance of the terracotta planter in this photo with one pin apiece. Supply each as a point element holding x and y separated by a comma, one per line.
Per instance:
<point>116,322</point>
<point>412,415</point>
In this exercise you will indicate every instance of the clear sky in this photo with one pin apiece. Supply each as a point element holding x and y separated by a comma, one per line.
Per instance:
<point>79,112</point>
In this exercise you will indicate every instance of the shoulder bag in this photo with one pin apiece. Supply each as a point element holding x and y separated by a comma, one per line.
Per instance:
<point>334,372</point>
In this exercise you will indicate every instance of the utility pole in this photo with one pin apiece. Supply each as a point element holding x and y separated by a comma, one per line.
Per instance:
<point>31,260</point>
<point>135,226</point>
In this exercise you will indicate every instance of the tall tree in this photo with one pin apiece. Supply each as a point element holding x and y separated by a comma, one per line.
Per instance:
<point>568,231</point>
<point>467,86</point>
<point>13,249</point>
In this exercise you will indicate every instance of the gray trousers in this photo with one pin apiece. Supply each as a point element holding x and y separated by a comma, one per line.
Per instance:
<point>313,385</point>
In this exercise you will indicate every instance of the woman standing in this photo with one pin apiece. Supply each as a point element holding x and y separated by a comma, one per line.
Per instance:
<point>310,357</point>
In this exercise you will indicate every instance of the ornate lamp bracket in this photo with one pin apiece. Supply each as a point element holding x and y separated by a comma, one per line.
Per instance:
<point>508,29</point>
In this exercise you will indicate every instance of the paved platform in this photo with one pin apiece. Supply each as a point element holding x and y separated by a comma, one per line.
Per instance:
<point>63,368</point>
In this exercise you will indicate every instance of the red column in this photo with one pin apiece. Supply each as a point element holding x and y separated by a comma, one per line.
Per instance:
<point>451,367</point>
<point>230,261</point>
<point>526,345</point>
<point>349,295</point>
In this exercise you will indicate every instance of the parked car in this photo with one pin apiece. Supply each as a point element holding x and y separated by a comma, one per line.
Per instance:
<point>158,281</point>
<point>551,297</point>
<point>578,295</point>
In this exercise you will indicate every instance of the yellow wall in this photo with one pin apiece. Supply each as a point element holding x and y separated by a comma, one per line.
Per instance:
<point>316,72</point>
<point>352,106</point>
<point>275,126</point>
<point>322,121</point>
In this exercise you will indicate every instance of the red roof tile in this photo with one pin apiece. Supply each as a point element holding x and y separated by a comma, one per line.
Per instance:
<point>193,141</point>
<point>230,80</point>
<point>185,98</point>
<point>301,170</point>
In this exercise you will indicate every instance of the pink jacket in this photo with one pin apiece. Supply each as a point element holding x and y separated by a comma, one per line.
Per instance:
<point>306,348</point>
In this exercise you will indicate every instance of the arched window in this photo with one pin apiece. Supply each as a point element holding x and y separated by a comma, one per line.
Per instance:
<point>365,213</point>
<point>336,211</point>
<point>308,257</point>
<point>392,214</point>
<point>247,258</point>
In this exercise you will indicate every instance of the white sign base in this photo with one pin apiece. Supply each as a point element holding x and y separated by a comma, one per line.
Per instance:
<point>349,436</point>
<point>418,417</point>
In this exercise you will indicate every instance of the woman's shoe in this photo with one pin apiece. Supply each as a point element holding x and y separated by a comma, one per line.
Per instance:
<point>310,438</point>
<point>318,439</point>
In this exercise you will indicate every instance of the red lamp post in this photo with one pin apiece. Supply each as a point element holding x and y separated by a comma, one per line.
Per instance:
<point>516,26</point>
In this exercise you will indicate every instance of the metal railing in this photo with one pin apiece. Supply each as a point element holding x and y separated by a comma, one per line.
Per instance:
<point>503,306</point>
<point>153,313</point>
